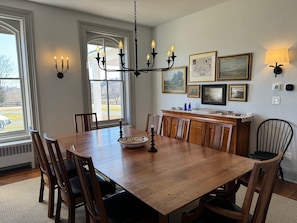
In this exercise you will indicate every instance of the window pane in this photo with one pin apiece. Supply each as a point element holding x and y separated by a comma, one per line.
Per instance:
<point>115,99</point>
<point>11,103</point>
<point>106,87</point>
<point>113,62</point>
<point>99,99</point>
<point>11,106</point>
<point>8,56</point>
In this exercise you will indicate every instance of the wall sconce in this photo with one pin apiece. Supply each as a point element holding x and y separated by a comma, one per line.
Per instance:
<point>61,73</point>
<point>275,57</point>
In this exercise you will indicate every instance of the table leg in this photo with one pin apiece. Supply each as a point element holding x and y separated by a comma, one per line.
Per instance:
<point>163,218</point>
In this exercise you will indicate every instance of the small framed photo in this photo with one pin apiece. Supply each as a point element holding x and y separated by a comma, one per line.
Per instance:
<point>193,91</point>
<point>237,92</point>
<point>202,67</point>
<point>174,80</point>
<point>235,67</point>
<point>214,94</point>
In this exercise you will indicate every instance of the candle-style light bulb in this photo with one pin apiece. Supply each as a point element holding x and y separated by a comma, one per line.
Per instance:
<point>62,58</point>
<point>153,44</point>
<point>121,45</point>
<point>172,49</point>
<point>168,53</point>
<point>98,51</point>
<point>67,62</point>
<point>147,57</point>
<point>55,61</point>
<point>103,54</point>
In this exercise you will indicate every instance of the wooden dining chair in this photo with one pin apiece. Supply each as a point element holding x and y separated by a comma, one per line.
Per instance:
<point>121,207</point>
<point>175,127</point>
<point>69,190</point>
<point>152,120</point>
<point>219,209</point>
<point>85,121</point>
<point>273,135</point>
<point>46,172</point>
<point>218,136</point>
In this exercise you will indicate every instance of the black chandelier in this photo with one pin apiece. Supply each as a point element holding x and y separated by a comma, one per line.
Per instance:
<point>150,58</point>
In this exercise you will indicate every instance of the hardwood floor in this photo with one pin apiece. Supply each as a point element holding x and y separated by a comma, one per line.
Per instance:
<point>284,188</point>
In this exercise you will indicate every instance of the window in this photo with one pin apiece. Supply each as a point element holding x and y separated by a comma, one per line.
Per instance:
<point>17,87</point>
<point>106,88</point>
<point>109,94</point>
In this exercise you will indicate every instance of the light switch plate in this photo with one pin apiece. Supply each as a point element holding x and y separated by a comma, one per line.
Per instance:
<point>276,100</point>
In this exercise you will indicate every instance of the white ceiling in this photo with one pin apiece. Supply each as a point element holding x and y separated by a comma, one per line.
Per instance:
<point>149,12</point>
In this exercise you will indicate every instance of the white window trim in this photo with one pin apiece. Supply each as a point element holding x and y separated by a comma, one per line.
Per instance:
<point>84,28</point>
<point>28,67</point>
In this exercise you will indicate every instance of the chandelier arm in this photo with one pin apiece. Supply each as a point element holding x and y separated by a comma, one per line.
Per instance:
<point>150,62</point>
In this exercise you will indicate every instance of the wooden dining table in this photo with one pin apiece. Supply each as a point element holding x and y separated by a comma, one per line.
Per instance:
<point>167,180</point>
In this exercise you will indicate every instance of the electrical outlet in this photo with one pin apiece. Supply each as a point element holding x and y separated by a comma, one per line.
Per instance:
<point>276,100</point>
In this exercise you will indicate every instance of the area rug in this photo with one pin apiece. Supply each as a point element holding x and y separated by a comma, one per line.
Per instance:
<point>19,204</point>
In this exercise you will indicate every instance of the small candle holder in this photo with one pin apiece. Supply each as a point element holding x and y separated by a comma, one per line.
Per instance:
<point>121,132</point>
<point>152,149</point>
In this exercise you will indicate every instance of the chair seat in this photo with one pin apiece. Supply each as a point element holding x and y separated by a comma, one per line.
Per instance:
<point>106,187</point>
<point>70,168</point>
<point>261,155</point>
<point>123,207</point>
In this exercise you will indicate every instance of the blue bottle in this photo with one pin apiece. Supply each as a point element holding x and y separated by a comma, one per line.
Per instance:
<point>185,107</point>
<point>189,107</point>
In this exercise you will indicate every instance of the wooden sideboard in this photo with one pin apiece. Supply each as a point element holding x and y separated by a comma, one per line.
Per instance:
<point>199,122</point>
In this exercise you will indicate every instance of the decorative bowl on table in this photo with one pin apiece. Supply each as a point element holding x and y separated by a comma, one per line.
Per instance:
<point>133,141</point>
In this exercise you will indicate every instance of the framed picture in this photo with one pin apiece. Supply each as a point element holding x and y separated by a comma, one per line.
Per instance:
<point>237,92</point>
<point>202,67</point>
<point>174,80</point>
<point>214,94</point>
<point>236,67</point>
<point>193,91</point>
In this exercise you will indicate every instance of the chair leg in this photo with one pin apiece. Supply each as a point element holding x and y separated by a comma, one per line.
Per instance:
<point>58,210</point>
<point>51,201</point>
<point>87,215</point>
<point>71,213</point>
<point>281,173</point>
<point>41,190</point>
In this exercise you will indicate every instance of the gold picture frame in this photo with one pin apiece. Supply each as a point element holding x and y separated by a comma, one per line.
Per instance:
<point>202,67</point>
<point>174,80</point>
<point>235,67</point>
<point>237,92</point>
<point>193,91</point>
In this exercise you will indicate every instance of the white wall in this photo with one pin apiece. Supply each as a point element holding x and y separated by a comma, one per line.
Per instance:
<point>56,34</point>
<point>235,27</point>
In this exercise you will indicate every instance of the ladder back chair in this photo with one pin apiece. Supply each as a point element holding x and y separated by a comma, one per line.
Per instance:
<point>175,127</point>
<point>213,209</point>
<point>218,136</point>
<point>153,120</point>
<point>273,135</point>
<point>46,172</point>
<point>121,207</point>
<point>69,189</point>
<point>84,122</point>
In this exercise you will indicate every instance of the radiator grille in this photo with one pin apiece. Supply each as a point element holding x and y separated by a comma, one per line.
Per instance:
<point>15,149</point>
<point>16,155</point>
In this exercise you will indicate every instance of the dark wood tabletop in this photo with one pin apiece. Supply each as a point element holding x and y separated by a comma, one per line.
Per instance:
<point>167,180</point>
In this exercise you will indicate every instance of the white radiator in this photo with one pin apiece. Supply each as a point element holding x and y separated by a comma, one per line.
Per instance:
<point>17,155</point>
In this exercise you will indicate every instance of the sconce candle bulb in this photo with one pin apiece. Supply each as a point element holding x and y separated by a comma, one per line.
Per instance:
<point>60,73</point>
